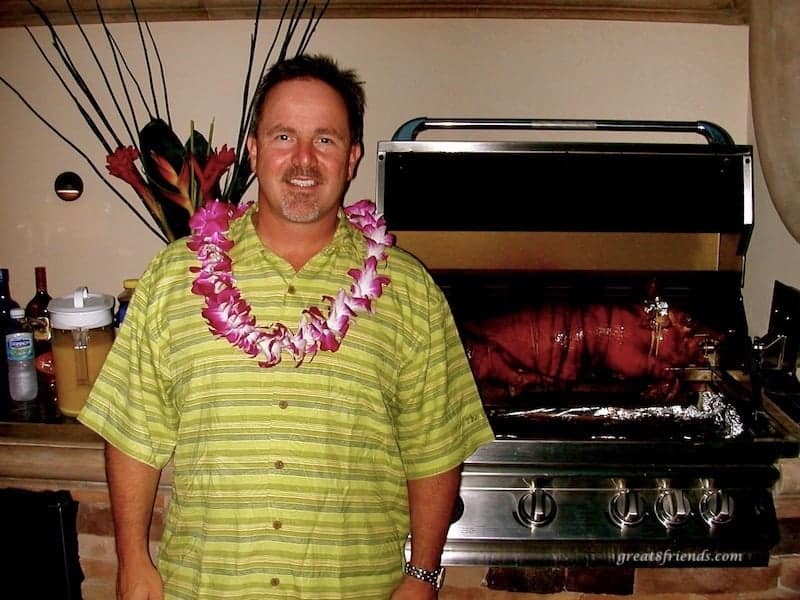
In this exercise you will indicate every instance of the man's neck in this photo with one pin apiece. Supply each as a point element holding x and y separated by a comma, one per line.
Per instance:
<point>296,243</point>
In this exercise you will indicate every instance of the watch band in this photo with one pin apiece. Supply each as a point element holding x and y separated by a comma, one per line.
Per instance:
<point>435,578</point>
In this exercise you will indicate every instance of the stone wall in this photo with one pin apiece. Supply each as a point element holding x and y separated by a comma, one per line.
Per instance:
<point>780,580</point>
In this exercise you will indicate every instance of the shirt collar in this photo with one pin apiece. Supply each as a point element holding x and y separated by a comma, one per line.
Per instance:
<point>346,239</point>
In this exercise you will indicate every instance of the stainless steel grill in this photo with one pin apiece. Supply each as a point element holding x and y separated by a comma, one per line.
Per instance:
<point>597,287</point>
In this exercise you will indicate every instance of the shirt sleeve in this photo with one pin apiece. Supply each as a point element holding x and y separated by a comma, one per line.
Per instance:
<point>130,403</point>
<point>441,419</point>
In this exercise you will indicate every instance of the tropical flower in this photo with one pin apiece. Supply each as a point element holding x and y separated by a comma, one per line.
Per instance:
<point>228,313</point>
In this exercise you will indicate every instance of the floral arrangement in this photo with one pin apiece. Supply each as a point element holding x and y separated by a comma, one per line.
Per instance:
<point>228,313</point>
<point>171,178</point>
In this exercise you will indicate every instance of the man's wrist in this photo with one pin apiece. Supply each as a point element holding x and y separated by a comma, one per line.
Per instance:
<point>435,577</point>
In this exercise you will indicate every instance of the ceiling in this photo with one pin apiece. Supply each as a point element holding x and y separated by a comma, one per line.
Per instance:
<point>727,12</point>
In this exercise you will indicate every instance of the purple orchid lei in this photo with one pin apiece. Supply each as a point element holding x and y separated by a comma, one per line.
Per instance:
<point>228,313</point>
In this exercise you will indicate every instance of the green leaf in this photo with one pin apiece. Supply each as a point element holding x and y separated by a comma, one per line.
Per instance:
<point>197,141</point>
<point>240,181</point>
<point>157,137</point>
<point>177,218</point>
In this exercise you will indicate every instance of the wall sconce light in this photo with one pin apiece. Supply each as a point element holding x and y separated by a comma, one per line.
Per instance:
<point>68,186</point>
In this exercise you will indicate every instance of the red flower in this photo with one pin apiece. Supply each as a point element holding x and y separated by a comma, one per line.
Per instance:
<point>217,163</point>
<point>120,163</point>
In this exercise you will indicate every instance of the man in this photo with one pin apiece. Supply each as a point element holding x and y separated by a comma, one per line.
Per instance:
<point>289,481</point>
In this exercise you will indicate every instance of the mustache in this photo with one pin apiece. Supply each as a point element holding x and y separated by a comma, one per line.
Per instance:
<point>310,172</point>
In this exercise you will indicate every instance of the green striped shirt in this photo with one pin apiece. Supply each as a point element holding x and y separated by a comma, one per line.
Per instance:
<point>288,482</point>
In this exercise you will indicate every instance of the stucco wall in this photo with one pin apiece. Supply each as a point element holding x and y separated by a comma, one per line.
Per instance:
<point>437,68</point>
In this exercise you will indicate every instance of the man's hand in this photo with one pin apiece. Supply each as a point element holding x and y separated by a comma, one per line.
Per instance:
<point>414,589</point>
<point>132,486</point>
<point>140,583</point>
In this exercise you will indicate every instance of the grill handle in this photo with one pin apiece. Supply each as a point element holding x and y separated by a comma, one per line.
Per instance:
<point>713,133</point>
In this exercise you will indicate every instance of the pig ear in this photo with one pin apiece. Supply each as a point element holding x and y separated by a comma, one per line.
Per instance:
<point>682,318</point>
<point>686,320</point>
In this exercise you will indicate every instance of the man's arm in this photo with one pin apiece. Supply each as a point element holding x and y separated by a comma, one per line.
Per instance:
<point>431,502</point>
<point>132,486</point>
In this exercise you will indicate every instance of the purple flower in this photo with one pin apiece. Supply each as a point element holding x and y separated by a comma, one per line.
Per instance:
<point>228,313</point>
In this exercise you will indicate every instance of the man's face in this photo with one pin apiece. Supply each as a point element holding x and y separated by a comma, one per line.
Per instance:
<point>302,154</point>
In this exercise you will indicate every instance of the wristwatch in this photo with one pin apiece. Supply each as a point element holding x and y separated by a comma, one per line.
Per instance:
<point>435,578</point>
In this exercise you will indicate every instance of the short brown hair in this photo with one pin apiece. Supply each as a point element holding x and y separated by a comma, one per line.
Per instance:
<point>325,69</point>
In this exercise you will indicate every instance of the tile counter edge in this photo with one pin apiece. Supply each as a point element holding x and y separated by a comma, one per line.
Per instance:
<point>55,453</point>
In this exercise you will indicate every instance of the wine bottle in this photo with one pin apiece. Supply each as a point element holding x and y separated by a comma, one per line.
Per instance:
<point>6,301</point>
<point>6,304</point>
<point>37,313</point>
<point>38,316</point>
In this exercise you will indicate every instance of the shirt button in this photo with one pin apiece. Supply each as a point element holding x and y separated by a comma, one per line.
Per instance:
<point>290,289</point>
<point>274,582</point>
<point>283,404</point>
<point>277,524</point>
<point>278,464</point>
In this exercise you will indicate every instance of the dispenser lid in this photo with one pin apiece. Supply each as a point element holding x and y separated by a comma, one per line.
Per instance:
<point>81,310</point>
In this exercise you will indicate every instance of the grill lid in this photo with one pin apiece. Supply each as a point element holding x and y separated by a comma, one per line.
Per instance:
<point>585,273</point>
<point>699,195</point>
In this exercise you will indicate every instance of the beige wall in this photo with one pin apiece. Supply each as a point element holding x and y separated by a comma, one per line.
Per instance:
<point>437,68</point>
<point>774,254</point>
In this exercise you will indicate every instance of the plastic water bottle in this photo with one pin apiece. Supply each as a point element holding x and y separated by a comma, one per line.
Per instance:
<point>22,383</point>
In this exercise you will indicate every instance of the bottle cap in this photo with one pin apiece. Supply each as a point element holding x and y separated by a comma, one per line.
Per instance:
<point>129,284</point>
<point>16,313</point>
<point>81,310</point>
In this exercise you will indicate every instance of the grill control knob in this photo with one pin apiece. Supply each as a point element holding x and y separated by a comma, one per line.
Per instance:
<point>536,509</point>
<point>716,507</point>
<point>672,508</point>
<point>626,509</point>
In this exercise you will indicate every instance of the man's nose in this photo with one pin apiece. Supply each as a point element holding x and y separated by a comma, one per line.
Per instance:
<point>305,152</point>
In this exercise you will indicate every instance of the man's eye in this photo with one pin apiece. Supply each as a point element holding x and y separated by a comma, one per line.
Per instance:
<point>325,140</point>
<point>283,137</point>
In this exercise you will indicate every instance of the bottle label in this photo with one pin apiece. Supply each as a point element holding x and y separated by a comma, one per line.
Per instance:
<point>19,346</point>
<point>41,329</point>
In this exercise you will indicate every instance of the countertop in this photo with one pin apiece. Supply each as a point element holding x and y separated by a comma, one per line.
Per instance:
<point>53,452</point>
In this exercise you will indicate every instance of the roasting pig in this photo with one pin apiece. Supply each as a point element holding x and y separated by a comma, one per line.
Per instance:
<point>555,345</point>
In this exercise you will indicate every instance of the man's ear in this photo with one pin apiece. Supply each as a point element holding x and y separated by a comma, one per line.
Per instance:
<point>252,151</point>
<point>356,152</point>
